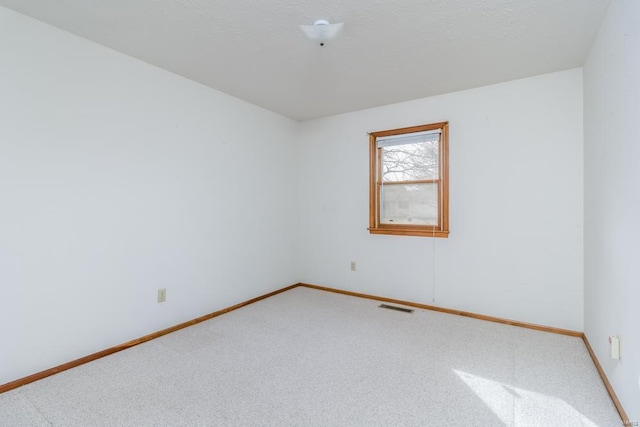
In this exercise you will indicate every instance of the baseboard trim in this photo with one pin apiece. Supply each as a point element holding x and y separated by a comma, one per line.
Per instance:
<point>607,384</point>
<point>451,311</point>
<point>57,369</point>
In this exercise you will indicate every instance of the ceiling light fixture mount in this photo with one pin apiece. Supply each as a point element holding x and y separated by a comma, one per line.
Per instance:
<point>322,30</point>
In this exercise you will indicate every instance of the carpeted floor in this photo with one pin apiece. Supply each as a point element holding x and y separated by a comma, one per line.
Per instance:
<point>309,357</point>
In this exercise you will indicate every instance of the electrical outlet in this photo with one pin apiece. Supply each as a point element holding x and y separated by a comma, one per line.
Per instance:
<point>614,347</point>
<point>162,295</point>
<point>353,266</point>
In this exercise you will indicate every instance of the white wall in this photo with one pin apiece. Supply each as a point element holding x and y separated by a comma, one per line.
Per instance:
<point>515,249</point>
<point>612,198</point>
<point>118,178</point>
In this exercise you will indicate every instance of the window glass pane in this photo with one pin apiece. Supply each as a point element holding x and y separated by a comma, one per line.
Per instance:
<point>409,204</point>
<point>410,162</point>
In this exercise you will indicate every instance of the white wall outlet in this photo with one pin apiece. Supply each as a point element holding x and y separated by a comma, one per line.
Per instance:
<point>162,295</point>
<point>614,347</point>
<point>353,266</point>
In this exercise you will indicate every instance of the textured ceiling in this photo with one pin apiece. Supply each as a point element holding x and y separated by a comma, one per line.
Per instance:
<point>389,51</point>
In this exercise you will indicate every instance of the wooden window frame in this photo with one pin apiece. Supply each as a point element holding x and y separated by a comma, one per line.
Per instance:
<point>375,183</point>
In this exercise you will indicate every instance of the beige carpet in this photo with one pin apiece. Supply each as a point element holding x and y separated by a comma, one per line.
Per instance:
<point>312,358</point>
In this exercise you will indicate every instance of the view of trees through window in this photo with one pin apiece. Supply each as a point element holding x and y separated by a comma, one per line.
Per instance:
<point>410,162</point>
<point>409,203</point>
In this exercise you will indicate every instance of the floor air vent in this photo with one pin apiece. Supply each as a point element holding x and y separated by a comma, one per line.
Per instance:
<point>392,307</point>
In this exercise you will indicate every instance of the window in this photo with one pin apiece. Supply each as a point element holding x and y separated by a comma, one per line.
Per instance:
<point>409,181</point>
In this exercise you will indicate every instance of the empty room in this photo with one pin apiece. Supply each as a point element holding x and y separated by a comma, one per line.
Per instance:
<point>417,213</point>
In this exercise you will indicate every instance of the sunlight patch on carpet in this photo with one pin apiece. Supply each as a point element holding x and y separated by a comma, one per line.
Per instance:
<point>513,404</point>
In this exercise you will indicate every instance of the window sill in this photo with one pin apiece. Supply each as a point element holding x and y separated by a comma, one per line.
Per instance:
<point>409,232</point>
